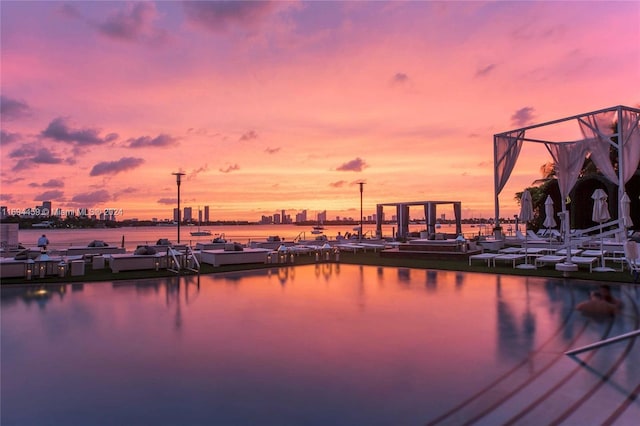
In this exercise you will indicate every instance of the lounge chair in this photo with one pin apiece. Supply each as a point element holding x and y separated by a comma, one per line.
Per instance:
<point>549,258</point>
<point>532,236</point>
<point>513,258</point>
<point>632,257</point>
<point>483,256</point>
<point>585,260</point>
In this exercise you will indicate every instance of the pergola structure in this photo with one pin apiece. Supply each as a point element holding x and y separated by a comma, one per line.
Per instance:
<point>402,212</point>
<point>605,133</point>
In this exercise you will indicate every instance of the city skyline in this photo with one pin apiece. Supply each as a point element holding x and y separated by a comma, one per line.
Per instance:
<point>272,105</point>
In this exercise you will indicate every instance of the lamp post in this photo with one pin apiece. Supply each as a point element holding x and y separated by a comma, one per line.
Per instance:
<point>178,176</point>
<point>360,231</point>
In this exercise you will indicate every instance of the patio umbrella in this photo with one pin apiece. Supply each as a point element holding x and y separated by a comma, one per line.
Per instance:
<point>625,203</point>
<point>526,214</point>
<point>600,214</point>
<point>549,221</point>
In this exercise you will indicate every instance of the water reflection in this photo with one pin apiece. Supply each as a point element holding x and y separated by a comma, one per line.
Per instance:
<point>177,290</point>
<point>35,294</point>
<point>514,327</point>
<point>266,346</point>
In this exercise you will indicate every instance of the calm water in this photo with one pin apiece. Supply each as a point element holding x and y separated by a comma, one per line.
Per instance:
<point>134,236</point>
<point>310,345</point>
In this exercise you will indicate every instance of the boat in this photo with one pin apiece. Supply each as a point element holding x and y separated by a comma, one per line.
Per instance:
<point>200,233</point>
<point>318,229</point>
<point>43,224</point>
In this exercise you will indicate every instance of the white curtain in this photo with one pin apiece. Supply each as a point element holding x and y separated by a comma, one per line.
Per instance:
<point>507,152</point>
<point>630,143</point>
<point>597,130</point>
<point>569,158</point>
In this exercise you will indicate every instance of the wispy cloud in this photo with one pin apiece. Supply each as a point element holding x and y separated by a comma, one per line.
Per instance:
<point>13,109</point>
<point>219,16</point>
<point>69,10</point>
<point>49,195</point>
<point>355,165</point>
<point>195,172</point>
<point>168,201</point>
<point>400,78</point>
<point>269,150</point>
<point>251,134</point>
<point>134,23</point>
<point>11,181</point>
<point>99,196</point>
<point>8,137</point>
<point>483,72</point>
<point>51,183</point>
<point>23,151</point>
<point>523,116</point>
<point>230,168</point>
<point>59,130</point>
<point>44,156</point>
<point>114,167</point>
<point>338,184</point>
<point>31,155</point>
<point>161,140</point>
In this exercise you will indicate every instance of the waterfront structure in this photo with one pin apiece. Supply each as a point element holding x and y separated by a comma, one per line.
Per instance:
<point>608,133</point>
<point>430,211</point>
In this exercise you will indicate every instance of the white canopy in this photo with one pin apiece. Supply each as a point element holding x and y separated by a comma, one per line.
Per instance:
<point>599,135</point>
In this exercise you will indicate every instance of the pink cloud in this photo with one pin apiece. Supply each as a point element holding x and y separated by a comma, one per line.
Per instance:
<point>162,140</point>
<point>59,130</point>
<point>49,195</point>
<point>134,23</point>
<point>355,165</point>
<point>114,167</point>
<point>220,16</point>
<point>13,109</point>
<point>99,196</point>
<point>523,116</point>
<point>230,168</point>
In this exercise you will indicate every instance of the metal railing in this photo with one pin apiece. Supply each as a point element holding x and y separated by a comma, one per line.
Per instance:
<point>601,343</point>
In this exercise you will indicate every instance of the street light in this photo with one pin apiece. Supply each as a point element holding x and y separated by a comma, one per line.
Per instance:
<point>178,176</point>
<point>360,231</point>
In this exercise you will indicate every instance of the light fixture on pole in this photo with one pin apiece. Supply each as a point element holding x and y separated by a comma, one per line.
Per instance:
<point>360,230</point>
<point>178,176</point>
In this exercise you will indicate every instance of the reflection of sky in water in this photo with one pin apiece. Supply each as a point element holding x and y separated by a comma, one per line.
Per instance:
<point>318,344</point>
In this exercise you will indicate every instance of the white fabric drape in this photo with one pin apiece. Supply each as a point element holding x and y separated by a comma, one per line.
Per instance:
<point>630,143</point>
<point>597,131</point>
<point>507,152</point>
<point>569,158</point>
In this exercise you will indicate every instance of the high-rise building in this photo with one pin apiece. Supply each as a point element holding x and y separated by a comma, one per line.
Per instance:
<point>276,218</point>
<point>176,214</point>
<point>265,220</point>
<point>302,216</point>
<point>322,216</point>
<point>46,208</point>
<point>188,214</point>
<point>206,214</point>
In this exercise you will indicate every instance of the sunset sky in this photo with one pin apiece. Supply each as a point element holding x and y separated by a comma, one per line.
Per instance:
<point>287,105</point>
